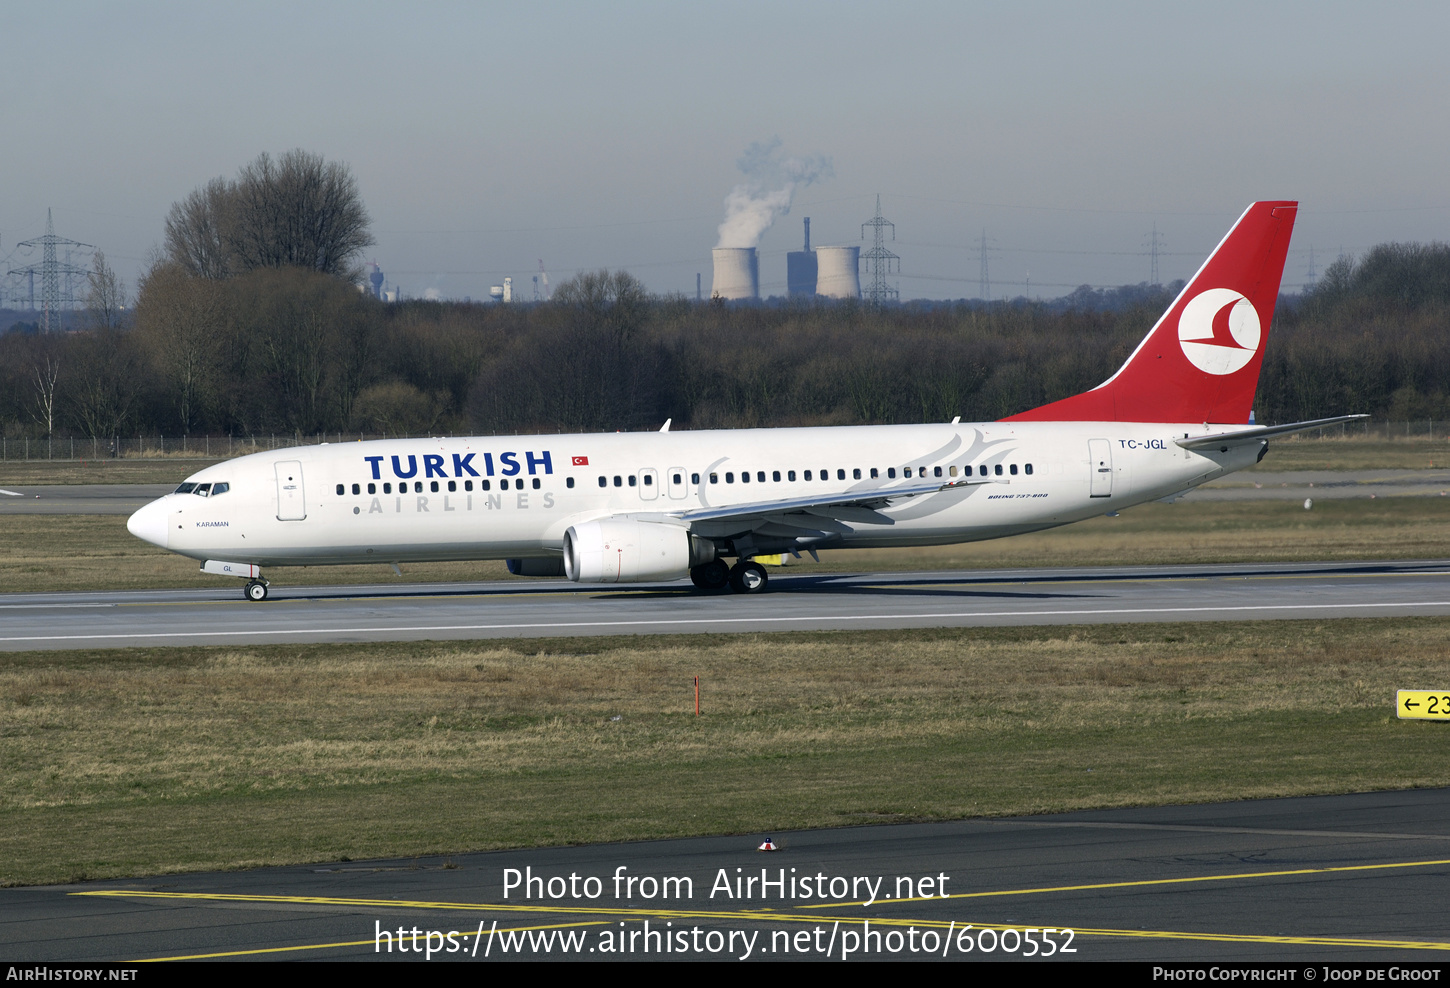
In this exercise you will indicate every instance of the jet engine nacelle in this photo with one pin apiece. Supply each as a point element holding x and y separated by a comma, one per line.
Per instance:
<point>621,550</point>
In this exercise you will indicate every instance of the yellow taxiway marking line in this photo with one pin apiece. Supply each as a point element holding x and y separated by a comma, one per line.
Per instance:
<point>348,943</point>
<point>754,916</point>
<point>1151,881</point>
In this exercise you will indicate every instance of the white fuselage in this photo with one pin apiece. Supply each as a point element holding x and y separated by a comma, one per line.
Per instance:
<point>515,497</point>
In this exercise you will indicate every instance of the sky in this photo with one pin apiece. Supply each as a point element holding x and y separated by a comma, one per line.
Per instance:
<point>486,137</point>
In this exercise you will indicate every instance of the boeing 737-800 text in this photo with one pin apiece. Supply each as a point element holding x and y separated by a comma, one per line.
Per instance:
<point>657,506</point>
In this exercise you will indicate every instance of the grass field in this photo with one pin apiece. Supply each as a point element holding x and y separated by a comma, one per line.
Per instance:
<point>153,761</point>
<point>86,552</point>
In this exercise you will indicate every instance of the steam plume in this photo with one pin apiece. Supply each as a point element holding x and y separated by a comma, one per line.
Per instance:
<point>765,195</point>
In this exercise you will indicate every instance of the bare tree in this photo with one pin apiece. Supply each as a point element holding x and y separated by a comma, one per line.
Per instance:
<point>45,372</point>
<point>197,231</point>
<point>180,323</point>
<point>294,211</point>
<point>106,296</point>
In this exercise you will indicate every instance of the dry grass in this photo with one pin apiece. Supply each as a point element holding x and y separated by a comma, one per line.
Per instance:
<point>203,758</point>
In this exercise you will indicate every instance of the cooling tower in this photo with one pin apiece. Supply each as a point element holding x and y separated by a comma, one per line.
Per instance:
<point>737,273</point>
<point>838,272</point>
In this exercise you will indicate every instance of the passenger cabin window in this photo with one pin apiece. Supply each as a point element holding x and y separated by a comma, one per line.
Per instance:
<point>807,475</point>
<point>468,484</point>
<point>729,477</point>
<point>387,488</point>
<point>1012,469</point>
<point>452,486</point>
<point>694,478</point>
<point>1027,469</point>
<point>983,469</point>
<point>339,489</point>
<point>433,486</point>
<point>874,474</point>
<point>603,482</point>
<point>775,476</point>
<point>372,488</point>
<point>936,471</point>
<point>631,480</point>
<point>649,481</point>
<point>536,483</point>
<point>677,479</point>
<point>484,485</point>
<point>997,469</point>
<point>618,481</point>
<point>906,471</point>
<point>856,474</point>
<point>953,471</point>
<point>745,476</point>
<point>714,478</point>
<point>760,477</point>
<point>891,473</point>
<point>568,482</point>
<point>356,489</point>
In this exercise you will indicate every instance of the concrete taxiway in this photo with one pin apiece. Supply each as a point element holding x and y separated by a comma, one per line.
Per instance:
<point>805,601</point>
<point>1335,878</point>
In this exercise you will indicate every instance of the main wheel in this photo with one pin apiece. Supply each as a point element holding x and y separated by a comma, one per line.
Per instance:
<point>714,575</point>
<point>256,590</point>
<point>748,577</point>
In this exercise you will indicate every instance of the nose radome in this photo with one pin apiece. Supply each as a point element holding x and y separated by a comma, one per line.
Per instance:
<point>149,523</point>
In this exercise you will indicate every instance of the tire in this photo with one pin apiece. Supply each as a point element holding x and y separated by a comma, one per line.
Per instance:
<point>714,575</point>
<point>256,590</point>
<point>748,577</point>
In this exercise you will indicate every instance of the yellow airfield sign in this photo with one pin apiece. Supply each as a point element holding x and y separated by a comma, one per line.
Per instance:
<point>1423,704</point>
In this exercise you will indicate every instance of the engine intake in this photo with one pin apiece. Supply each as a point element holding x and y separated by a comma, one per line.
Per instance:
<point>620,550</point>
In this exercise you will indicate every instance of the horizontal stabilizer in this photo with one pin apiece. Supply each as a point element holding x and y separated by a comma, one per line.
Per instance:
<point>1239,437</point>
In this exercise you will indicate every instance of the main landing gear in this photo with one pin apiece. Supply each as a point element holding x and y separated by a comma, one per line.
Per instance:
<point>746,576</point>
<point>257,590</point>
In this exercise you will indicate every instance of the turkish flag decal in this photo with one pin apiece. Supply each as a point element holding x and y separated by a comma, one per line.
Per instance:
<point>581,461</point>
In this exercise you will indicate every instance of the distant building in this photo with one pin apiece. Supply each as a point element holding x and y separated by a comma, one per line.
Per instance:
<point>801,269</point>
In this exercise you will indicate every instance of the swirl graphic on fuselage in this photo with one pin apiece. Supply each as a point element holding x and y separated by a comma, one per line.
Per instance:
<point>1219,331</point>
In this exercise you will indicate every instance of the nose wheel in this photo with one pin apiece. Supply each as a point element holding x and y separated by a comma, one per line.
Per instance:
<point>256,590</point>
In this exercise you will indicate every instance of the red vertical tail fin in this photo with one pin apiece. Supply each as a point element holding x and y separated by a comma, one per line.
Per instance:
<point>1200,362</point>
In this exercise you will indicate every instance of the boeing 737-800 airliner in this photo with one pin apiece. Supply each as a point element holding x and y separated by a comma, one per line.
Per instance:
<point>622,508</point>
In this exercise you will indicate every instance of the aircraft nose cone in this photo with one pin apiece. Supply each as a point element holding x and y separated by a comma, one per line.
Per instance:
<point>149,523</point>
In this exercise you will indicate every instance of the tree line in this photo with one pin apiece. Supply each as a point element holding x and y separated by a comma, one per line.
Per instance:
<point>226,337</point>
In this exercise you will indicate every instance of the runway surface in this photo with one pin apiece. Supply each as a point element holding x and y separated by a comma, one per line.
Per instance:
<point>812,601</point>
<point>1335,878</point>
<point>80,499</point>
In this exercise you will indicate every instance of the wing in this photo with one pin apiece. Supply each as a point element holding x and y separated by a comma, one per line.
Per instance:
<point>810,517</point>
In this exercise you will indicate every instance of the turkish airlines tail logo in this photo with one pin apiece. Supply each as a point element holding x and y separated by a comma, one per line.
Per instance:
<point>1219,331</point>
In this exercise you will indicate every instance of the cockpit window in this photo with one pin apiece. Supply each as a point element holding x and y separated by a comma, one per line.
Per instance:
<point>202,490</point>
<point>221,488</point>
<point>185,489</point>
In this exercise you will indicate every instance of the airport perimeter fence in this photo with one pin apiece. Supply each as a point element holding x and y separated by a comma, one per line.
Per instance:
<point>82,448</point>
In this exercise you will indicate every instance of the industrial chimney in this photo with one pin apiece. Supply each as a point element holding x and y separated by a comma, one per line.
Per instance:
<point>839,272</point>
<point>737,273</point>
<point>801,270</point>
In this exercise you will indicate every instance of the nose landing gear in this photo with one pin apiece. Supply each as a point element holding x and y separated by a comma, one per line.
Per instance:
<point>257,590</point>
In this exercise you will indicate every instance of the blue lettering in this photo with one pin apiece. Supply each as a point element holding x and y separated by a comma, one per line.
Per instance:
<point>374,461</point>
<point>537,461</point>
<point>433,466</point>
<point>461,465</point>
<point>510,463</point>
<point>488,464</point>
<point>412,466</point>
